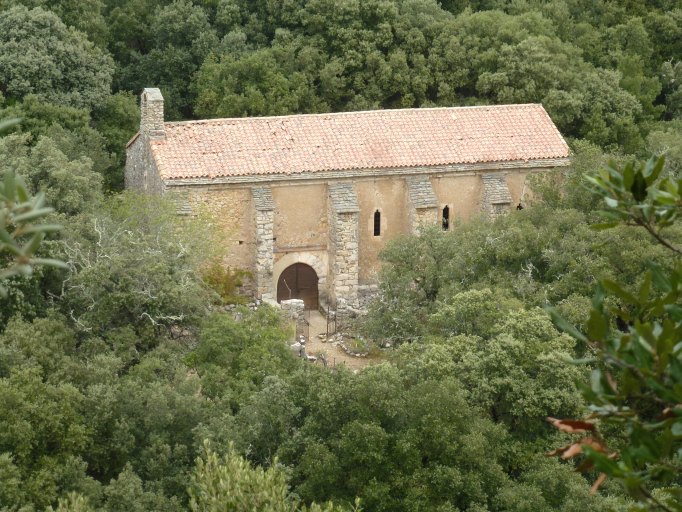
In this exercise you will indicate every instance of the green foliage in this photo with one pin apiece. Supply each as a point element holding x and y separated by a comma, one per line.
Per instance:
<point>254,85</point>
<point>117,119</point>
<point>70,186</point>
<point>518,373</point>
<point>71,131</point>
<point>407,438</point>
<point>473,312</point>
<point>231,484</point>
<point>666,139</point>
<point>563,188</point>
<point>638,381</point>
<point>635,195</point>
<point>235,356</point>
<point>78,409</point>
<point>225,282</point>
<point>133,263</point>
<point>533,256</point>
<point>671,74</point>
<point>20,233</point>
<point>73,502</point>
<point>116,373</point>
<point>40,55</point>
<point>87,16</point>
<point>42,425</point>
<point>180,37</point>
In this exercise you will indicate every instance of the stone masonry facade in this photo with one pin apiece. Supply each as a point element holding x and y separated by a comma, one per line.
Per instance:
<point>264,211</point>
<point>335,188</point>
<point>343,245</point>
<point>423,204</point>
<point>496,197</point>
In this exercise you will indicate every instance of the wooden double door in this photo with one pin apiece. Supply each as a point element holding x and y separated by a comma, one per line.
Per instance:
<point>299,281</point>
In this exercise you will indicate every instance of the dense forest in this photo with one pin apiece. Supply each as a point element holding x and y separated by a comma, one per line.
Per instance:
<point>125,387</point>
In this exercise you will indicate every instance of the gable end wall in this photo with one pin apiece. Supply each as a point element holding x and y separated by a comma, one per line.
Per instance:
<point>141,173</point>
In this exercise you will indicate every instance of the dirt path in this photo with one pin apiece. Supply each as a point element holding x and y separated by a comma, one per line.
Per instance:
<point>333,353</point>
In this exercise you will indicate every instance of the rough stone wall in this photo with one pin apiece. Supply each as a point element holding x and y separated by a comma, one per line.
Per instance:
<point>346,257</point>
<point>230,210</point>
<point>153,182</point>
<point>345,283</point>
<point>366,294</point>
<point>141,173</point>
<point>264,208</point>
<point>151,114</point>
<point>420,192</point>
<point>343,242</point>
<point>422,203</point>
<point>294,309</point>
<point>496,198</point>
<point>423,217</point>
<point>136,164</point>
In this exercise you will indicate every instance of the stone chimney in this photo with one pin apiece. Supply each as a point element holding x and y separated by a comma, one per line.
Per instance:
<point>151,114</point>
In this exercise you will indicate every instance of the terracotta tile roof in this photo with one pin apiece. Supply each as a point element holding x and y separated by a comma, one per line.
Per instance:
<point>357,140</point>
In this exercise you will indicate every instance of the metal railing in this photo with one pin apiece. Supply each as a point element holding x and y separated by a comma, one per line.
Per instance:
<point>331,318</point>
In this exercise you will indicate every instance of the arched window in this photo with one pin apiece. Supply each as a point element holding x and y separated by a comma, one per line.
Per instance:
<point>445,221</point>
<point>377,223</point>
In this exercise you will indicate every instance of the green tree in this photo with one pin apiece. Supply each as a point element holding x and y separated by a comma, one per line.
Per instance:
<point>20,234</point>
<point>255,84</point>
<point>70,186</point>
<point>180,37</point>
<point>71,129</point>
<point>87,16</point>
<point>231,484</point>
<point>135,264</point>
<point>117,119</point>
<point>42,56</point>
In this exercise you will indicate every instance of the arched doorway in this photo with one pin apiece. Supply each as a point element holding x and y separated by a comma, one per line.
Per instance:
<point>299,281</point>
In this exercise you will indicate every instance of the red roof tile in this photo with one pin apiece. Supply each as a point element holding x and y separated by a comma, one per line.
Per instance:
<point>357,140</point>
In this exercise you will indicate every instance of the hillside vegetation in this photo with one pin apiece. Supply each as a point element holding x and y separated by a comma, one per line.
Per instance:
<point>122,388</point>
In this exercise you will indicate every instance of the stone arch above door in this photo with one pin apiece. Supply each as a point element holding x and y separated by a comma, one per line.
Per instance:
<point>315,261</point>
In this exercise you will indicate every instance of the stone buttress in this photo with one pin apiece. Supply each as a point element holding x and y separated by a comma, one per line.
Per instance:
<point>264,210</point>
<point>343,246</point>
<point>423,204</point>
<point>496,198</point>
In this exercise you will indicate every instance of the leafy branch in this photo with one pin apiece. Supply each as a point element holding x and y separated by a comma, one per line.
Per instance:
<point>21,232</point>
<point>637,381</point>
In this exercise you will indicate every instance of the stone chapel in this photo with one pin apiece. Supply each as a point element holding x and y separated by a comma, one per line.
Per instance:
<point>308,201</point>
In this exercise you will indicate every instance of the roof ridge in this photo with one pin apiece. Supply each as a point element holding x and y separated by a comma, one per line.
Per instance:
<point>355,112</point>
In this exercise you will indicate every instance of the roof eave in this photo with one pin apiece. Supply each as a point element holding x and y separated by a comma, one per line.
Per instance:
<point>345,174</point>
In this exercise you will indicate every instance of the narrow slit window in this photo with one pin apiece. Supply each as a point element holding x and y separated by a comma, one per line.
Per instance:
<point>446,218</point>
<point>377,223</point>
